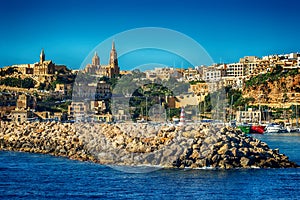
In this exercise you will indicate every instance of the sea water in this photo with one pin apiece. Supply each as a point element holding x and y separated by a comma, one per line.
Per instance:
<point>35,176</point>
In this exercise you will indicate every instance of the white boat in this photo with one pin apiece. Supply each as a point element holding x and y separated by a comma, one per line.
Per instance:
<point>291,129</point>
<point>275,128</point>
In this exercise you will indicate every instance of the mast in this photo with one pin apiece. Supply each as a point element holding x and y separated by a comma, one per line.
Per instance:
<point>231,102</point>
<point>296,116</point>
<point>259,114</point>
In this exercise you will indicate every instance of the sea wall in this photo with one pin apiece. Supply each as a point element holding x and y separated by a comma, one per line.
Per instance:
<point>193,146</point>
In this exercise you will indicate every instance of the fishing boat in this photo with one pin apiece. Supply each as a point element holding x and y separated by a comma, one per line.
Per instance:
<point>260,129</point>
<point>245,128</point>
<point>251,129</point>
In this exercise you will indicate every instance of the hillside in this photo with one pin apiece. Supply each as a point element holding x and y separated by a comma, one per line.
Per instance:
<point>274,88</point>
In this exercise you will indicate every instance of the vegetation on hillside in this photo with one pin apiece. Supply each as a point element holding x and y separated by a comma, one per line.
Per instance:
<point>225,96</point>
<point>17,82</point>
<point>9,71</point>
<point>195,82</point>
<point>146,97</point>
<point>275,75</point>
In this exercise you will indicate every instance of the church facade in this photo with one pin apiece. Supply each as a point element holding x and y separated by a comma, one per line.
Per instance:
<point>41,68</point>
<point>44,67</point>
<point>110,70</point>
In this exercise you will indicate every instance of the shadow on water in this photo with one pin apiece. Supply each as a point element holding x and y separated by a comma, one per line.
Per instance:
<point>287,143</point>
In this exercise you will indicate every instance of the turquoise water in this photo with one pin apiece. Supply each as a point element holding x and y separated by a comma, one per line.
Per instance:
<point>32,176</point>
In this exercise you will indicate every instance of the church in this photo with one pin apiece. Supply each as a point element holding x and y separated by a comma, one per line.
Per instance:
<point>44,67</point>
<point>110,70</point>
<point>41,68</point>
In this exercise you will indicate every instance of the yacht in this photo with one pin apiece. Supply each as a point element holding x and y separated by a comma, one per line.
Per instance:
<point>275,128</point>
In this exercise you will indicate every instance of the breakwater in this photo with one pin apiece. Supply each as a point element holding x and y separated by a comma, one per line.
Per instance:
<point>193,146</point>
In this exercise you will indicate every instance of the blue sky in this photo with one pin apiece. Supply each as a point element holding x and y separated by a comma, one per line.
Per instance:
<point>69,30</point>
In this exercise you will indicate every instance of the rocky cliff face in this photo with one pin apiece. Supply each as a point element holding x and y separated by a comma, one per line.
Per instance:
<point>138,144</point>
<point>282,90</point>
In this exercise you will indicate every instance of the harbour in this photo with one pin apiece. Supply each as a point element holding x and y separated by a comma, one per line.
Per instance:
<point>34,176</point>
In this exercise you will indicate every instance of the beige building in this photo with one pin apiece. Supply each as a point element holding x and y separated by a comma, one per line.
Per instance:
<point>26,102</point>
<point>191,74</point>
<point>235,70</point>
<point>24,109</point>
<point>46,115</point>
<point>41,68</point>
<point>103,118</point>
<point>63,88</point>
<point>234,82</point>
<point>110,70</point>
<point>262,68</point>
<point>21,115</point>
<point>187,99</point>
<point>164,73</point>
<point>97,107</point>
<point>42,72</point>
<point>77,110</point>
<point>121,115</point>
<point>249,116</point>
<point>98,91</point>
<point>103,90</point>
<point>211,74</point>
<point>200,89</point>
<point>93,110</point>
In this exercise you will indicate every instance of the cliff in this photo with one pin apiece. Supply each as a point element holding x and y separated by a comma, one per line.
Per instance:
<point>274,88</point>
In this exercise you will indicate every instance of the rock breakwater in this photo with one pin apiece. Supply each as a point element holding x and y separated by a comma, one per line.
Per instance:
<point>193,146</point>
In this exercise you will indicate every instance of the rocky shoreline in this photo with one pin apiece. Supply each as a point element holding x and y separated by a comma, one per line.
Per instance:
<point>189,146</point>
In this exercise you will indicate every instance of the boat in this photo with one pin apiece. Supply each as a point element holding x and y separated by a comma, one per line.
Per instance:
<point>245,128</point>
<point>251,129</point>
<point>275,128</point>
<point>260,129</point>
<point>291,129</point>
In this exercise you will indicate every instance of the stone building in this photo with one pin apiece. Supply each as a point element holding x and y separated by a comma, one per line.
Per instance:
<point>103,91</point>
<point>98,107</point>
<point>99,91</point>
<point>77,110</point>
<point>164,73</point>
<point>110,70</point>
<point>26,102</point>
<point>89,110</point>
<point>25,108</point>
<point>21,115</point>
<point>191,74</point>
<point>42,68</point>
<point>62,88</point>
<point>211,74</point>
<point>200,89</point>
<point>8,102</point>
<point>249,116</point>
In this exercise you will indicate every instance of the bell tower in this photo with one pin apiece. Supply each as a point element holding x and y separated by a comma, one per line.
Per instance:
<point>113,60</point>
<point>42,56</point>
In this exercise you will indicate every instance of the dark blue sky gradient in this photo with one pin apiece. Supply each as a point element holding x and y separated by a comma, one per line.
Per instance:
<point>69,29</point>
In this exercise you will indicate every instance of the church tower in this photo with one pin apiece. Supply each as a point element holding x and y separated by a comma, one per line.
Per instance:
<point>113,60</point>
<point>42,56</point>
<point>96,60</point>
